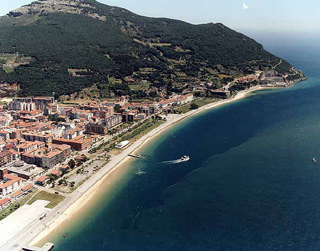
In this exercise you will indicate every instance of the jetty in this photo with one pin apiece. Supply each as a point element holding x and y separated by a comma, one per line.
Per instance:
<point>47,247</point>
<point>138,156</point>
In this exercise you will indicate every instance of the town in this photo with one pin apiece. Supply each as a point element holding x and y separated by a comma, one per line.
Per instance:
<point>49,149</point>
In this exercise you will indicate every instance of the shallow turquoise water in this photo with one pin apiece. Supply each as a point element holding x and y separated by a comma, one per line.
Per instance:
<point>250,183</point>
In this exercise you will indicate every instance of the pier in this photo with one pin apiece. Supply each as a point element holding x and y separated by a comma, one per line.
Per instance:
<point>47,247</point>
<point>138,156</point>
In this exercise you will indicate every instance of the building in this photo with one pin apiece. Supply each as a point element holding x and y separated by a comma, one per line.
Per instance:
<point>220,93</point>
<point>5,157</point>
<point>78,143</point>
<point>20,169</point>
<point>10,186</point>
<point>47,157</point>
<point>42,180</point>
<point>168,102</point>
<point>16,195</point>
<point>5,135</point>
<point>65,150</point>
<point>64,168</point>
<point>122,144</point>
<point>56,173</point>
<point>113,121</point>
<point>185,99</point>
<point>103,127</point>
<point>4,203</point>
<point>75,132</point>
<point>128,117</point>
<point>27,188</point>
<point>46,137</point>
<point>26,147</point>
<point>96,128</point>
<point>32,103</point>
<point>49,160</point>
<point>20,104</point>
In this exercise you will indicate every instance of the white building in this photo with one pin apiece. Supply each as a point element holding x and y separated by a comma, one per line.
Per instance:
<point>122,144</point>
<point>10,186</point>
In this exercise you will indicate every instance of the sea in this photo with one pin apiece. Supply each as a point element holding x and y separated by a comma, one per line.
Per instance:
<point>250,183</point>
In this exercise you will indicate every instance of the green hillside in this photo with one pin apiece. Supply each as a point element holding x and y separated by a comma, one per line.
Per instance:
<point>63,52</point>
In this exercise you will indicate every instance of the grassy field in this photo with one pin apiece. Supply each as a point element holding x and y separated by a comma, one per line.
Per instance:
<point>139,87</point>
<point>14,206</point>
<point>199,102</point>
<point>54,199</point>
<point>8,69</point>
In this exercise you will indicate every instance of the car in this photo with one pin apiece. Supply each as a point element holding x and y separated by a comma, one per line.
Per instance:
<point>56,192</point>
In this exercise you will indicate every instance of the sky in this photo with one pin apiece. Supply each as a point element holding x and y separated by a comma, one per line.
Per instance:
<point>241,15</point>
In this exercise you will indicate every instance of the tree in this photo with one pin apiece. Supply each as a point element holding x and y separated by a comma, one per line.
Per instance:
<point>85,158</point>
<point>72,163</point>
<point>117,108</point>
<point>194,106</point>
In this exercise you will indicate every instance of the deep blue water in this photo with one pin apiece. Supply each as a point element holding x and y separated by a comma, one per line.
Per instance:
<point>250,183</point>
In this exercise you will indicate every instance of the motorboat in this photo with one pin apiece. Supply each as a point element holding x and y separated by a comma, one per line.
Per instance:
<point>184,158</point>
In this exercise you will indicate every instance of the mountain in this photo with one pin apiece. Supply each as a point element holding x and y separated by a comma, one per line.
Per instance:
<point>64,46</point>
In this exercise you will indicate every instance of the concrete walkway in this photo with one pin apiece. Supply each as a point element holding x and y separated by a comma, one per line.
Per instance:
<point>21,221</point>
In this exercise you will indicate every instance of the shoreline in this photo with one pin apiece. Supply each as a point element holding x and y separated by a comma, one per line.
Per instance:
<point>73,209</point>
<point>81,197</point>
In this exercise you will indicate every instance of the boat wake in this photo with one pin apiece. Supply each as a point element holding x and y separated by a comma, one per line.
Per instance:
<point>177,161</point>
<point>140,172</point>
<point>170,162</point>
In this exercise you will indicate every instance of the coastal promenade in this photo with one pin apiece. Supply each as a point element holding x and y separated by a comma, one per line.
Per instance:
<point>38,230</point>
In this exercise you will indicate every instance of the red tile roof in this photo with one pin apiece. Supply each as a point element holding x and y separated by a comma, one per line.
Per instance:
<point>16,194</point>
<point>4,201</point>
<point>9,183</point>
<point>56,172</point>
<point>43,178</point>
<point>27,188</point>
<point>9,176</point>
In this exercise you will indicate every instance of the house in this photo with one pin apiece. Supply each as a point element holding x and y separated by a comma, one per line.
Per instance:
<point>73,133</point>
<point>16,195</point>
<point>27,188</point>
<point>56,173</point>
<point>10,186</point>
<point>79,159</point>
<point>42,180</point>
<point>168,102</point>
<point>5,202</point>
<point>185,99</point>
<point>64,169</point>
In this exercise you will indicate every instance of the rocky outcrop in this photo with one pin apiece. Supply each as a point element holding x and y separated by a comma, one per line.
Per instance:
<point>56,6</point>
